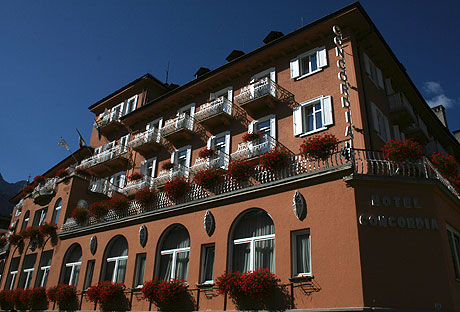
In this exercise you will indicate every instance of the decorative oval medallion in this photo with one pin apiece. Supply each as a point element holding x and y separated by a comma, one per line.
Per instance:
<point>299,205</point>
<point>93,244</point>
<point>143,235</point>
<point>209,223</point>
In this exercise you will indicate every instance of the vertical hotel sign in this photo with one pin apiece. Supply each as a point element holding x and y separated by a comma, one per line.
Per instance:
<point>343,78</point>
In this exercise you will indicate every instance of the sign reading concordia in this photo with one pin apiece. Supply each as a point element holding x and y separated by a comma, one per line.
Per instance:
<point>403,222</point>
<point>344,91</point>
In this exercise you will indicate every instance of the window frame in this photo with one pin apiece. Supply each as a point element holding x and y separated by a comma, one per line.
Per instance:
<point>134,98</point>
<point>452,232</point>
<point>25,220</point>
<point>57,210</point>
<point>188,157</point>
<point>300,119</point>
<point>212,144</point>
<point>294,236</point>
<point>204,254</point>
<point>138,281</point>
<point>378,115</point>
<point>73,265</point>
<point>89,273</point>
<point>117,260</point>
<point>321,62</point>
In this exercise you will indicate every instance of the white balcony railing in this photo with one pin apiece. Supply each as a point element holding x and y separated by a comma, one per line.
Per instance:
<point>150,135</point>
<point>255,90</point>
<point>44,189</point>
<point>103,186</point>
<point>166,175</point>
<point>213,108</point>
<point>133,186</point>
<point>398,101</point>
<point>254,148</point>
<point>108,117</point>
<point>220,160</point>
<point>181,122</point>
<point>104,156</point>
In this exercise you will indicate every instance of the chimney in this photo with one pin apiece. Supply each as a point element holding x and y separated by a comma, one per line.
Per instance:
<point>273,35</point>
<point>440,111</point>
<point>234,55</point>
<point>457,135</point>
<point>202,71</point>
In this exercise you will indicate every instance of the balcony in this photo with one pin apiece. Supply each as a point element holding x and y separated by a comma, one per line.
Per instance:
<point>178,129</point>
<point>418,131</point>
<point>44,191</point>
<point>109,122</point>
<point>112,160</point>
<point>166,175</point>
<point>146,142</point>
<point>401,110</point>
<point>254,149</point>
<point>215,113</point>
<point>103,186</point>
<point>261,95</point>
<point>220,160</point>
<point>132,187</point>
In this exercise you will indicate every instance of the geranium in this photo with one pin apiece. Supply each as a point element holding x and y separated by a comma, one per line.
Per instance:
<point>176,188</point>
<point>167,165</point>
<point>109,295</point>
<point>397,150</point>
<point>80,215</point>
<point>65,296</point>
<point>230,283</point>
<point>28,189</point>
<point>37,299</point>
<point>32,232</point>
<point>99,209</point>
<point>6,302</point>
<point>16,239</point>
<point>208,178</point>
<point>48,229</point>
<point>62,173</point>
<point>252,136</point>
<point>39,179</point>
<point>275,159</point>
<point>165,294</point>
<point>145,196</point>
<point>240,170</point>
<point>259,283</point>
<point>84,172</point>
<point>20,298</point>
<point>207,153</point>
<point>118,204</point>
<point>445,163</point>
<point>135,176</point>
<point>319,147</point>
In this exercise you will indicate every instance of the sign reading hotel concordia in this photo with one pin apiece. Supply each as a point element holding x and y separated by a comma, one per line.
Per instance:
<point>343,78</point>
<point>395,204</point>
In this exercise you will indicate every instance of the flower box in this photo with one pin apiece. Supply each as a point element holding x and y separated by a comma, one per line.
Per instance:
<point>135,176</point>
<point>252,136</point>
<point>209,178</point>
<point>408,150</point>
<point>65,296</point>
<point>62,173</point>
<point>176,188</point>
<point>167,295</point>
<point>99,209</point>
<point>80,215</point>
<point>16,239</point>
<point>207,153</point>
<point>319,147</point>
<point>446,164</point>
<point>118,204</point>
<point>110,296</point>
<point>240,171</point>
<point>275,159</point>
<point>145,196</point>
<point>39,179</point>
<point>6,300</point>
<point>28,189</point>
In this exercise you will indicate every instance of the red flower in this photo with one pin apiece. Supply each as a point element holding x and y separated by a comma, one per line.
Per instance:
<point>397,150</point>
<point>275,159</point>
<point>145,196</point>
<point>80,215</point>
<point>135,176</point>
<point>319,147</point>
<point>208,178</point>
<point>62,173</point>
<point>28,189</point>
<point>176,188</point>
<point>164,293</point>
<point>39,179</point>
<point>110,295</point>
<point>84,172</point>
<point>253,136</point>
<point>98,209</point>
<point>240,170</point>
<point>118,204</point>
<point>446,164</point>
<point>64,295</point>
<point>207,153</point>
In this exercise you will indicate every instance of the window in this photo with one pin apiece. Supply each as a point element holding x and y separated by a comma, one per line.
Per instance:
<point>27,271</point>
<point>11,279</point>
<point>131,104</point>
<point>454,243</point>
<point>374,73</point>
<point>57,210</point>
<point>267,126</point>
<point>40,216</point>
<point>253,242</point>
<point>140,269</point>
<point>124,143</point>
<point>207,264</point>
<point>148,167</point>
<point>301,264</point>
<point>117,181</point>
<point>313,116</point>
<point>72,264</point>
<point>89,274</point>
<point>115,260</point>
<point>182,157</point>
<point>154,128</point>
<point>45,265</point>
<point>308,63</point>
<point>381,125</point>
<point>226,93</point>
<point>183,121</point>
<point>26,220</point>
<point>269,73</point>
<point>174,254</point>
<point>221,144</point>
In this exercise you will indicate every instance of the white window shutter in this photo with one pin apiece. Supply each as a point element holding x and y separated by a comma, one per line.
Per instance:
<point>388,86</point>
<point>366,64</point>
<point>189,155</point>
<point>122,180</point>
<point>380,78</point>
<point>230,95</point>
<point>375,118</point>
<point>212,96</point>
<point>295,65</point>
<point>209,143</point>
<point>273,76</point>
<point>322,57</point>
<point>143,169</point>
<point>387,129</point>
<point>297,120</point>
<point>173,157</point>
<point>192,110</point>
<point>397,134</point>
<point>327,111</point>
<point>251,126</point>
<point>273,126</point>
<point>227,143</point>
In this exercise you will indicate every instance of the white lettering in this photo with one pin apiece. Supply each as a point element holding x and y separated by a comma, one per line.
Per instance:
<point>362,220</point>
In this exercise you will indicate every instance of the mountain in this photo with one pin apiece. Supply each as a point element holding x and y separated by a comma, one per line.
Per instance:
<point>8,190</point>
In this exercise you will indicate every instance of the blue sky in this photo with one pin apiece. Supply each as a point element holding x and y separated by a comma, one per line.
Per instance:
<point>59,57</point>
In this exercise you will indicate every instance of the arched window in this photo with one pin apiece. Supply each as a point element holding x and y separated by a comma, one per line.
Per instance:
<point>253,242</point>
<point>72,264</point>
<point>26,220</point>
<point>57,210</point>
<point>115,259</point>
<point>174,254</point>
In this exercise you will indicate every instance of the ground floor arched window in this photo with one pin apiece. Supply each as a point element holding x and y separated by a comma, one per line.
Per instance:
<point>72,265</point>
<point>253,242</point>
<point>115,260</point>
<point>174,254</point>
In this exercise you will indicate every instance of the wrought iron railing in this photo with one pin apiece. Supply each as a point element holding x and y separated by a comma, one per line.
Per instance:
<point>46,188</point>
<point>150,135</point>
<point>182,122</point>
<point>109,117</point>
<point>219,160</point>
<point>104,156</point>
<point>213,108</point>
<point>167,175</point>
<point>262,87</point>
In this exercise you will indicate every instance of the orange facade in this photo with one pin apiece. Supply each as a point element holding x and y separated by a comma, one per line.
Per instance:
<point>367,232</point>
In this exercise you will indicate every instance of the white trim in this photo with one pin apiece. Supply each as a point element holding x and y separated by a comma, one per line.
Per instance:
<point>225,91</point>
<point>73,265</point>
<point>28,277</point>
<point>294,236</point>
<point>46,270</point>
<point>174,253</point>
<point>325,109</point>
<point>204,249</point>
<point>14,274</point>
<point>271,72</point>
<point>117,262</point>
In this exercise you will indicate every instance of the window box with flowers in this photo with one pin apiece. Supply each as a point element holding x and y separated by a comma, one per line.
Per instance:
<point>80,215</point>
<point>274,159</point>
<point>6,300</point>
<point>252,136</point>
<point>240,170</point>
<point>446,164</point>
<point>145,196</point>
<point>209,178</point>
<point>176,188</point>
<point>28,189</point>
<point>402,151</point>
<point>207,153</point>
<point>33,234</point>
<point>39,179</point>
<point>65,296</point>
<point>20,298</point>
<point>136,176</point>
<point>37,299</point>
<point>110,296</point>
<point>169,295</point>
<point>16,240</point>
<point>118,204</point>
<point>62,173</point>
<point>319,147</point>
<point>99,209</point>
